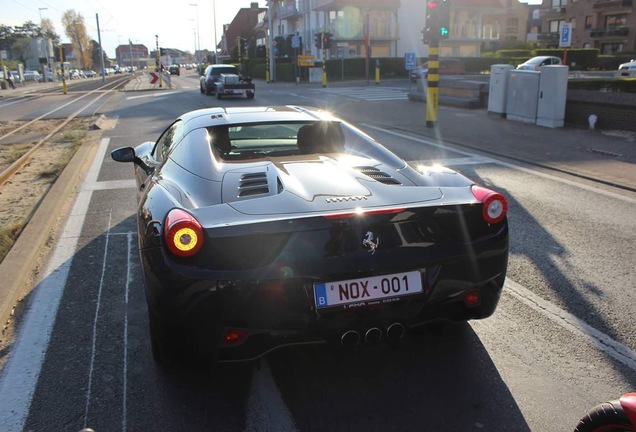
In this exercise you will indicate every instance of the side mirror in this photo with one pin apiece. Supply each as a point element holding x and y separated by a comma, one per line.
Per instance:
<point>127,154</point>
<point>123,154</point>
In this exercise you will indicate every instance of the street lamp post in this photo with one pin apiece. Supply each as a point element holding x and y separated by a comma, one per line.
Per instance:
<point>197,45</point>
<point>46,47</point>
<point>214,11</point>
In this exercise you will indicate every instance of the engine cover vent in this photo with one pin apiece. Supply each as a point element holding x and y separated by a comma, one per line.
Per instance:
<point>378,175</point>
<point>253,184</point>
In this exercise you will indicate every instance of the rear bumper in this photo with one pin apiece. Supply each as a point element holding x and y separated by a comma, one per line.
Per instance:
<point>274,313</point>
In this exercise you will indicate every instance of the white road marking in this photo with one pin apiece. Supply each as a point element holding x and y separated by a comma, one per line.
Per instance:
<point>129,236</point>
<point>266,410</point>
<point>573,324</point>
<point>371,94</point>
<point>153,95</point>
<point>98,306</point>
<point>21,373</point>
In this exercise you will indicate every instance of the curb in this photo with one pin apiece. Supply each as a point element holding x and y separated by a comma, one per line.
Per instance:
<point>21,266</point>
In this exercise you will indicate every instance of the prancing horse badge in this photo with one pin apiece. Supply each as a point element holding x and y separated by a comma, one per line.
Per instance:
<point>371,242</point>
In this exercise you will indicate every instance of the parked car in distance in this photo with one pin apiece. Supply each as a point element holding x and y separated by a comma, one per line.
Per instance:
<point>32,75</point>
<point>90,73</point>
<point>627,69</point>
<point>212,73</point>
<point>174,70</point>
<point>446,67</point>
<point>535,63</point>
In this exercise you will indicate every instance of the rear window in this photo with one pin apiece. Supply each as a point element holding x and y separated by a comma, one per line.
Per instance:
<point>223,70</point>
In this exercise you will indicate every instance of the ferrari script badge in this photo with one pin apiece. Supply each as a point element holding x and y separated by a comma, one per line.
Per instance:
<point>371,242</point>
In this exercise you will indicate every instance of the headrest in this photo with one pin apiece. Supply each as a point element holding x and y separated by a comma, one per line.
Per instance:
<point>321,137</point>
<point>221,139</point>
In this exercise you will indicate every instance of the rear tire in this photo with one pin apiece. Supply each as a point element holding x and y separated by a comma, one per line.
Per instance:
<point>250,95</point>
<point>163,340</point>
<point>605,417</point>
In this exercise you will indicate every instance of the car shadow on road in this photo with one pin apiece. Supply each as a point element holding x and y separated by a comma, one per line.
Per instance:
<point>427,381</point>
<point>560,277</point>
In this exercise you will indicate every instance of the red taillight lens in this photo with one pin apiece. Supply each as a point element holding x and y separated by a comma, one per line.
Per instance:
<point>495,204</point>
<point>234,337</point>
<point>472,299</point>
<point>183,233</point>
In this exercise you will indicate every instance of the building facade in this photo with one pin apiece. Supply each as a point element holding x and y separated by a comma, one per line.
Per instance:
<point>394,27</point>
<point>608,25</point>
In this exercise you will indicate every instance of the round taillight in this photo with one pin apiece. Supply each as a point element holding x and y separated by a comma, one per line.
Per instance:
<point>495,204</point>
<point>183,233</point>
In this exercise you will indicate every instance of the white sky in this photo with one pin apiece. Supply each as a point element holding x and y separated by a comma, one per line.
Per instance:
<point>174,21</point>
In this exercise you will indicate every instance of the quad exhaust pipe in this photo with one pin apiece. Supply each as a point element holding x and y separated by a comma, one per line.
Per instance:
<point>351,338</point>
<point>395,331</point>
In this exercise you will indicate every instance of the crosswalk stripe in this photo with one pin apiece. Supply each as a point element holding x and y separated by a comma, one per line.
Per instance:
<point>367,93</point>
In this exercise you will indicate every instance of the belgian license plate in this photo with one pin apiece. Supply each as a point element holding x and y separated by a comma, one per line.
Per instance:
<point>366,291</point>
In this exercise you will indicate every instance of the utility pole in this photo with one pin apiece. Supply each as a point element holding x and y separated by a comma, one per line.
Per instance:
<point>46,47</point>
<point>214,10</point>
<point>270,37</point>
<point>159,71</point>
<point>101,50</point>
<point>197,45</point>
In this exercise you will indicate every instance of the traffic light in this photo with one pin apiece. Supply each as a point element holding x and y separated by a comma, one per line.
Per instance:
<point>326,40</point>
<point>444,19</point>
<point>318,40</point>
<point>437,20</point>
<point>162,51</point>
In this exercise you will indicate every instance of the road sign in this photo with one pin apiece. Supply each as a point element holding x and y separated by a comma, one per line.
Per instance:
<point>565,39</point>
<point>295,41</point>
<point>152,77</point>
<point>410,61</point>
<point>306,60</point>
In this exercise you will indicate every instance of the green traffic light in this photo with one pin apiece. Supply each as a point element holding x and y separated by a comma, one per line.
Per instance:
<point>443,31</point>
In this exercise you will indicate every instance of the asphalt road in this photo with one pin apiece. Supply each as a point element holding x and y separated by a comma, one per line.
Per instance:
<point>559,343</point>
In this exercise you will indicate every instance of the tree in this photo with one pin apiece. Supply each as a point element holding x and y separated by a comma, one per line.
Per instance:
<point>48,31</point>
<point>75,30</point>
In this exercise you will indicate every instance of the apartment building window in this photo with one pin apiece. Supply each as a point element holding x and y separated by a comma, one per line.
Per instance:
<point>556,26</point>
<point>588,22</point>
<point>615,21</point>
<point>610,48</point>
<point>558,3</point>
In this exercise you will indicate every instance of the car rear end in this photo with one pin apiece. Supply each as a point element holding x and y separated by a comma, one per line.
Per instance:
<point>345,278</point>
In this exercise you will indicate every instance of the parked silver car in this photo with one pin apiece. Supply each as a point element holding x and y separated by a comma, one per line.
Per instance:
<point>627,69</point>
<point>535,63</point>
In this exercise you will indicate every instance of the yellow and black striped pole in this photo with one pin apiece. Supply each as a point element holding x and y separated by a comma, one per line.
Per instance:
<point>432,92</point>
<point>324,66</point>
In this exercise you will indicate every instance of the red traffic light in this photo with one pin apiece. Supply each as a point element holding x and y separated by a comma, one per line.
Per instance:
<point>431,4</point>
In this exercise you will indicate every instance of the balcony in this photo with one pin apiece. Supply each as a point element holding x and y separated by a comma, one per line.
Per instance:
<point>555,12</point>
<point>339,4</point>
<point>612,5</point>
<point>287,11</point>
<point>609,32</point>
<point>548,38</point>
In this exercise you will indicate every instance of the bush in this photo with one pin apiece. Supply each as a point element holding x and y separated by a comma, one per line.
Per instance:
<point>623,85</point>
<point>514,53</point>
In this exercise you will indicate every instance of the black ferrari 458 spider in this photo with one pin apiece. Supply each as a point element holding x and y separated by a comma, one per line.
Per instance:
<point>262,227</point>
